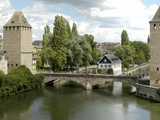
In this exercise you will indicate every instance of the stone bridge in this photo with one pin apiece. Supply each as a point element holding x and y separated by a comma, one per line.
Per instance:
<point>88,81</point>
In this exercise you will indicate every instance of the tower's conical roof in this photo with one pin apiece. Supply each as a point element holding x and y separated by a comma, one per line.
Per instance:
<point>18,19</point>
<point>156,17</point>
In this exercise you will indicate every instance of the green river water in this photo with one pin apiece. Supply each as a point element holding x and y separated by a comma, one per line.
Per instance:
<point>78,104</point>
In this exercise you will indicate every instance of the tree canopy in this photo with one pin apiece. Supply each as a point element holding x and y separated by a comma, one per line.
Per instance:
<point>124,38</point>
<point>65,49</point>
<point>131,53</point>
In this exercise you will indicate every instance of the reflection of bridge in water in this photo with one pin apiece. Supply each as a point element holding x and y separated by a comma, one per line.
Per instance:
<point>88,81</point>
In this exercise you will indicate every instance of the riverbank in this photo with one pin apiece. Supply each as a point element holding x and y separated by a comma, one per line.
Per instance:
<point>19,80</point>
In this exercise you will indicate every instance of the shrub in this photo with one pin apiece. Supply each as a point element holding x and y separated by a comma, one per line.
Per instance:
<point>19,80</point>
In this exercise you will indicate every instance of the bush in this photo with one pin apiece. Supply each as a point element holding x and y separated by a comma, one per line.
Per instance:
<point>19,80</point>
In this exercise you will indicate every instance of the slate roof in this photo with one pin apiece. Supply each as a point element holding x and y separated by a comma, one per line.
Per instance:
<point>110,58</point>
<point>18,19</point>
<point>37,43</point>
<point>156,17</point>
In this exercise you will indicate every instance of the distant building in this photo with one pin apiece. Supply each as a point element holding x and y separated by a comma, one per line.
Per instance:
<point>107,47</point>
<point>155,47</point>
<point>37,47</point>
<point>17,34</point>
<point>3,62</point>
<point>1,42</point>
<point>110,61</point>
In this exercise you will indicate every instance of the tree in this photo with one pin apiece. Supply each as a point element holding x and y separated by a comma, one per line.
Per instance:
<point>46,36</point>
<point>65,48</point>
<point>2,75</point>
<point>142,52</point>
<point>126,54</point>
<point>74,30</point>
<point>124,38</point>
<point>87,52</point>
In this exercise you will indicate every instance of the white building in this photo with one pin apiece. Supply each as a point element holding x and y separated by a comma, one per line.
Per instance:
<point>3,62</point>
<point>110,61</point>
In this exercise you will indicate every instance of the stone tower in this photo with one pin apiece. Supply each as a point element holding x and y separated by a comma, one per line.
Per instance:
<point>155,49</point>
<point>17,35</point>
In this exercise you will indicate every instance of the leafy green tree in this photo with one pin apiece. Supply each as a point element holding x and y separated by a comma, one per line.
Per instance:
<point>87,52</point>
<point>124,38</point>
<point>74,30</point>
<point>142,52</point>
<point>61,33</point>
<point>126,54</point>
<point>46,36</point>
<point>2,75</point>
<point>64,48</point>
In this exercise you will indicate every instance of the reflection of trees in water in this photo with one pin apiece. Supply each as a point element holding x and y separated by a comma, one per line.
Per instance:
<point>11,108</point>
<point>64,102</point>
<point>150,106</point>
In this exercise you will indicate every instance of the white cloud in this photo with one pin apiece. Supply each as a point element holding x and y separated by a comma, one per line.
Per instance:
<point>105,21</point>
<point>38,16</point>
<point>132,15</point>
<point>6,11</point>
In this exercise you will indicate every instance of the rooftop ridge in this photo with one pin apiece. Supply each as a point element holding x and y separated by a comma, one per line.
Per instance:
<point>18,19</point>
<point>157,15</point>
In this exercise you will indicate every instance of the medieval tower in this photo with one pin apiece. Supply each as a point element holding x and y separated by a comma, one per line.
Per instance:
<point>17,34</point>
<point>155,49</point>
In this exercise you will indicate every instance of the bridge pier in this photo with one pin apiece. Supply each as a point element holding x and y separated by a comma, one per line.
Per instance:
<point>88,86</point>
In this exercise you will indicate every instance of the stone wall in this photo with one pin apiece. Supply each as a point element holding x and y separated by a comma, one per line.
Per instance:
<point>148,92</point>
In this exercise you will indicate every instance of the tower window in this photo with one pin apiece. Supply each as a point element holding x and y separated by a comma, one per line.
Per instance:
<point>17,27</point>
<point>9,28</point>
<point>5,28</point>
<point>157,68</point>
<point>154,26</point>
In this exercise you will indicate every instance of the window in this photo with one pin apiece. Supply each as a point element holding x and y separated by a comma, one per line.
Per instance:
<point>12,22</point>
<point>154,26</point>
<point>157,68</point>
<point>16,65</point>
<point>9,28</point>
<point>17,27</point>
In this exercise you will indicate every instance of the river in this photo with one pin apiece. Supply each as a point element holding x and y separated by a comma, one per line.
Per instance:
<point>78,104</point>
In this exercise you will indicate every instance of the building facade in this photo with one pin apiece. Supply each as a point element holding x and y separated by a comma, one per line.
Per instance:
<point>155,47</point>
<point>107,47</point>
<point>37,47</point>
<point>17,35</point>
<point>1,42</point>
<point>110,61</point>
<point>3,62</point>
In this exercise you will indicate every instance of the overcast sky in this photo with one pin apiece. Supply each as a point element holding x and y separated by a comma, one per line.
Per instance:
<point>105,19</point>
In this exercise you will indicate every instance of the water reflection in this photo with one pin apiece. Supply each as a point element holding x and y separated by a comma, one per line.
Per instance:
<point>117,88</point>
<point>77,104</point>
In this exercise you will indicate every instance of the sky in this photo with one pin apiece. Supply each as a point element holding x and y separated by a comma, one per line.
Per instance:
<point>105,19</point>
